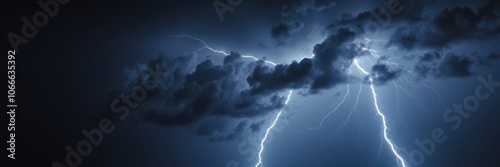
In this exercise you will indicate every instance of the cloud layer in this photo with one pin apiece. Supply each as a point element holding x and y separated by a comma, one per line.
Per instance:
<point>226,98</point>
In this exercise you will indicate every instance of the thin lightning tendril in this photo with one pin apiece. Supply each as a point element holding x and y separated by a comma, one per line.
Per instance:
<point>353,108</point>
<point>219,51</point>
<point>416,99</point>
<point>397,107</point>
<point>352,111</point>
<point>335,109</point>
<point>393,146</point>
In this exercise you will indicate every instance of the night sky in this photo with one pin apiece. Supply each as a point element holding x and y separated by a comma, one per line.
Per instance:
<point>201,83</point>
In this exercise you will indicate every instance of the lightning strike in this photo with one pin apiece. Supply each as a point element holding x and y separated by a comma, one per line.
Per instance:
<point>259,164</point>
<point>276,119</point>
<point>393,146</point>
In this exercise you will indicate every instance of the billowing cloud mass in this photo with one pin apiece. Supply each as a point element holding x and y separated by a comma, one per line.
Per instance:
<point>429,36</point>
<point>226,98</point>
<point>440,65</point>
<point>451,25</point>
<point>382,73</point>
<point>213,97</point>
<point>205,91</point>
<point>327,69</point>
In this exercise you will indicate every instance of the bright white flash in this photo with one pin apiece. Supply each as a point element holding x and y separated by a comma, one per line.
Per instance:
<point>393,146</point>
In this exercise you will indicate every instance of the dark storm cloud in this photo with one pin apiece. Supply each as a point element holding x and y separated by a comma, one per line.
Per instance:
<point>195,93</point>
<point>225,98</point>
<point>492,56</point>
<point>489,58</point>
<point>282,31</point>
<point>333,57</point>
<point>390,15</point>
<point>414,29</point>
<point>265,79</point>
<point>436,65</point>
<point>411,28</point>
<point>328,67</point>
<point>455,66</point>
<point>216,100</point>
<point>381,73</point>
<point>490,10</point>
<point>449,26</point>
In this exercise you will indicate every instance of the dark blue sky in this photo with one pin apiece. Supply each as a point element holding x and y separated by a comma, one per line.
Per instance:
<point>433,65</point>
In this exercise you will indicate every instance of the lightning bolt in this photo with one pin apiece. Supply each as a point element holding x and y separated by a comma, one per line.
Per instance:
<point>276,119</point>
<point>259,163</point>
<point>393,146</point>
<point>374,53</point>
